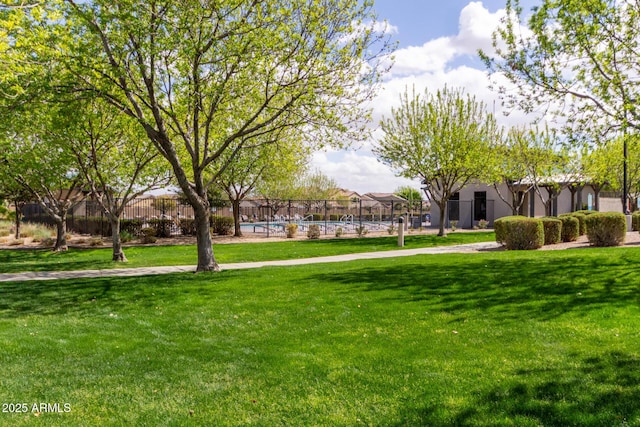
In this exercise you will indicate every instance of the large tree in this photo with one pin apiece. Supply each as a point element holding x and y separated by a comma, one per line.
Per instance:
<point>261,164</point>
<point>37,163</point>
<point>17,195</point>
<point>443,138</point>
<point>509,170</point>
<point>581,56</point>
<point>578,60</point>
<point>602,166</point>
<point>550,166</point>
<point>116,159</point>
<point>205,78</point>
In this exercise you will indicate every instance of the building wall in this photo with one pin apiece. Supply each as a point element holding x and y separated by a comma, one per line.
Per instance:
<point>499,208</point>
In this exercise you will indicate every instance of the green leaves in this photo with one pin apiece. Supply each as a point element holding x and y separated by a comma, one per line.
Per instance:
<point>446,134</point>
<point>580,58</point>
<point>443,138</point>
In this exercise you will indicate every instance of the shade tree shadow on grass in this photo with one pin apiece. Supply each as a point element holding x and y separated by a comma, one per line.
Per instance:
<point>508,286</point>
<point>600,390</point>
<point>82,296</point>
<point>14,260</point>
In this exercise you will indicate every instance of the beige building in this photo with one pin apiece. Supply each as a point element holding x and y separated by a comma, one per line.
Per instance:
<point>478,202</point>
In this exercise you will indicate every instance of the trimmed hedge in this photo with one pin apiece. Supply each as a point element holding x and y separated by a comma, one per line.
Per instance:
<point>635,221</point>
<point>606,228</point>
<point>585,212</point>
<point>519,232</point>
<point>581,221</point>
<point>552,230</point>
<point>570,227</point>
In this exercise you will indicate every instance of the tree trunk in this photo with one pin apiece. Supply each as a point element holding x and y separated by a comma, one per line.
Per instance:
<point>236,218</point>
<point>206,259</point>
<point>443,207</point>
<point>118,254</point>
<point>61,234</point>
<point>18,217</point>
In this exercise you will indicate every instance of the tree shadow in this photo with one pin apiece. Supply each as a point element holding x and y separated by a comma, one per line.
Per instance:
<point>28,259</point>
<point>602,390</point>
<point>510,287</point>
<point>85,296</point>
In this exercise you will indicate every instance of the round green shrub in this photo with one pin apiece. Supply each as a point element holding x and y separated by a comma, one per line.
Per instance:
<point>582,225</point>
<point>148,235</point>
<point>552,230</point>
<point>519,232</point>
<point>606,228</point>
<point>635,221</point>
<point>570,228</point>
<point>222,225</point>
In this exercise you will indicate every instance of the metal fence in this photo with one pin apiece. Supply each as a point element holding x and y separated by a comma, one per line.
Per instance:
<point>259,216</point>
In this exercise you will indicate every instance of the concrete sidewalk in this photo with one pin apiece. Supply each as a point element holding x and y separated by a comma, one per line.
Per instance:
<point>146,271</point>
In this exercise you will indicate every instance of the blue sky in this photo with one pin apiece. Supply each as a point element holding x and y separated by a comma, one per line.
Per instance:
<point>438,41</point>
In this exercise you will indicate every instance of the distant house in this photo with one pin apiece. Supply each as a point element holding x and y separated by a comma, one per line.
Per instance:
<point>479,201</point>
<point>386,199</point>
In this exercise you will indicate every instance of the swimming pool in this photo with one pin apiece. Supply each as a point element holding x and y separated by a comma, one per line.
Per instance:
<point>326,227</point>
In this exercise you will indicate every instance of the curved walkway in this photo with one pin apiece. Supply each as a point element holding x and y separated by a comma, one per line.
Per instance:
<point>146,271</point>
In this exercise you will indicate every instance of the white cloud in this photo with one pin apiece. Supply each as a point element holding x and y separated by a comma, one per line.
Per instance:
<point>433,65</point>
<point>360,171</point>
<point>475,28</point>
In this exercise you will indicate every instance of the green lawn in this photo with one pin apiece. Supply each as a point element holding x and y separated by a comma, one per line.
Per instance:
<point>495,339</point>
<point>12,261</point>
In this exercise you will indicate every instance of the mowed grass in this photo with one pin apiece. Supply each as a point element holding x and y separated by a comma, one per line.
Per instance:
<point>495,339</point>
<point>12,261</point>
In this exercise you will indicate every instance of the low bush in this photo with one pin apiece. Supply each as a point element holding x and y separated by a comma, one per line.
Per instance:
<point>635,221</point>
<point>552,230</point>
<point>570,228</point>
<point>148,235</point>
<point>586,212</point>
<point>582,225</point>
<point>42,233</point>
<point>93,225</point>
<point>313,232</point>
<point>519,232</point>
<point>361,231</point>
<point>126,236</point>
<point>606,228</point>
<point>222,225</point>
<point>339,232</point>
<point>96,241</point>
<point>292,230</point>
<point>162,226</point>
<point>188,226</point>
<point>131,226</point>
<point>37,232</point>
